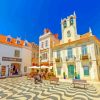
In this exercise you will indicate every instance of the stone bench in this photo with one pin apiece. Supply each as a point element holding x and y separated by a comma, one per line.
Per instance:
<point>79,82</point>
<point>54,80</point>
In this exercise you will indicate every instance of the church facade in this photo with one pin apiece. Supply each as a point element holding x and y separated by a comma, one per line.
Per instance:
<point>75,54</point>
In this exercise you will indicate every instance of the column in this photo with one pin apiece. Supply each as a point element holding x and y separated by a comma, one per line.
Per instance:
<point>93,71</point>
<point>81,70</point>
<point>65,69</point>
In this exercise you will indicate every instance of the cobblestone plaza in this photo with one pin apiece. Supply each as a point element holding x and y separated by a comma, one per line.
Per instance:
<point>23,89</point>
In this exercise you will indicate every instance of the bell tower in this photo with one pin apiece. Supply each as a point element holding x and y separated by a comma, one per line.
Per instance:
<point>69,30</point>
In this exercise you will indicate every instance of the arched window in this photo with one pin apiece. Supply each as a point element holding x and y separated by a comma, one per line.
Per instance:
<point>65,24</point>
<point>71,21</point>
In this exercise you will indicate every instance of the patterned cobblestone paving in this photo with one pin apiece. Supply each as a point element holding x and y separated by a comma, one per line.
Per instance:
<point>23,89</point>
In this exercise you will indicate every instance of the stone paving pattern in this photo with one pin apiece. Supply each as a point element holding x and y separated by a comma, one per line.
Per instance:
<point>22,89</point>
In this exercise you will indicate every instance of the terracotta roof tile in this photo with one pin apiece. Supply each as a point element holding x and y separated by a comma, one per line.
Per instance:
<point>3,40</point>
<point>85,35</point>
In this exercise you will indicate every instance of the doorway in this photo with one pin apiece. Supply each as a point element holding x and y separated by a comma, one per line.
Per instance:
<point>71,71</point>
<point>15,68</point>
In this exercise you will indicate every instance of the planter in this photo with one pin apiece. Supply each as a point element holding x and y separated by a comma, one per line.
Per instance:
<point>64,75</point>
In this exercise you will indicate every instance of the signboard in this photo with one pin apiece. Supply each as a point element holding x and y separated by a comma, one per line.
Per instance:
<point>11,59</point>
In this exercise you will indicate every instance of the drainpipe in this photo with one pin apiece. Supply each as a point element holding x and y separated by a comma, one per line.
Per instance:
<point>0,69</point>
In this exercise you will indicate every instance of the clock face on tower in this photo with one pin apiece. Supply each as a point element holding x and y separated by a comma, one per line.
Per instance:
<point>68,34</point>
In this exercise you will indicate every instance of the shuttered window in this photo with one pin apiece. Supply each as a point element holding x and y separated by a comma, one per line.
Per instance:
<point>86,70</point>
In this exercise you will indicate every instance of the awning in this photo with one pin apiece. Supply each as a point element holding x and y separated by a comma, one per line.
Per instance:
<point>34,67</point>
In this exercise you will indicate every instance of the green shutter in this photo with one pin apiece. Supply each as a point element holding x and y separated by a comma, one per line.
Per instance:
<point>86,70</point>
<point>71,71</point>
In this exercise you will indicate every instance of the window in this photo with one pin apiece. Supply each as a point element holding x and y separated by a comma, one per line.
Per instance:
<point>58,54</point>
<point>86,70</point>
<point>51,54</point>
<point>97,50</point>
<point>25,68</point>
<point>59,70</point>
<point>17,53</point>
<point>68,33</point>
<point>34,55</point>
<point>69,53</point>
<point>71,21</point>
<point>26,44</point>
<point>46,43</point>
<point>64,24</point>
<point>84,50</point>
<point>37,55</point>
<point>8,39</point>
<point>42,45</point>
<point>18,42</point>
<point>45,55</point>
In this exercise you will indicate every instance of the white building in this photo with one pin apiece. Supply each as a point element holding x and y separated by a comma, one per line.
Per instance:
<point>15,56</point>
<point>76,53</point>
<point>46,42</point>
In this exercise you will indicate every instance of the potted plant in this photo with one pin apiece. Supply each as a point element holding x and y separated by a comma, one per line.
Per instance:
<point>75,75</point>
<point>64,75</point>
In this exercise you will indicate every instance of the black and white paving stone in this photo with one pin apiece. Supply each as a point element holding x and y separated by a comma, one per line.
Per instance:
<point>22,89</point>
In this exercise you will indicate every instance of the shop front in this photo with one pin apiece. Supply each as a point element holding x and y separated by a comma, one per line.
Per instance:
<point>15,69</point>
<point>10,66</point>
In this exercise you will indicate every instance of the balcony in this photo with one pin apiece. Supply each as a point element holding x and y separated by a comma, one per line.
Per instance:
<point>73,58</point>
<point>58,60</point>
<point>85,57</point>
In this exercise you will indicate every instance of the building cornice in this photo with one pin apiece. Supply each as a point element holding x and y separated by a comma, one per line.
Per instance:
<point>76,42</point>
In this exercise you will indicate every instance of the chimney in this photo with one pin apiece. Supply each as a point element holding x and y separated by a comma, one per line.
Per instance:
<point>56,36</point>
<point>46,31</point>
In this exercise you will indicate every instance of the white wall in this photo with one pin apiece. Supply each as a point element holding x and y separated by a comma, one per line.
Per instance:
<point>9,51</point>
<point>48,47</point>
<point>44,42</point>
<point>77,51</point>
<point>27,59</point>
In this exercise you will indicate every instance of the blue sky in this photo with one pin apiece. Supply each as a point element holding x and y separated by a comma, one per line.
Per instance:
<point>28,18</point>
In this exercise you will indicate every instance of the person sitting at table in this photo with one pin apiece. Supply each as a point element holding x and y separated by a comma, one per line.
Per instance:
<point>37,77</point>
